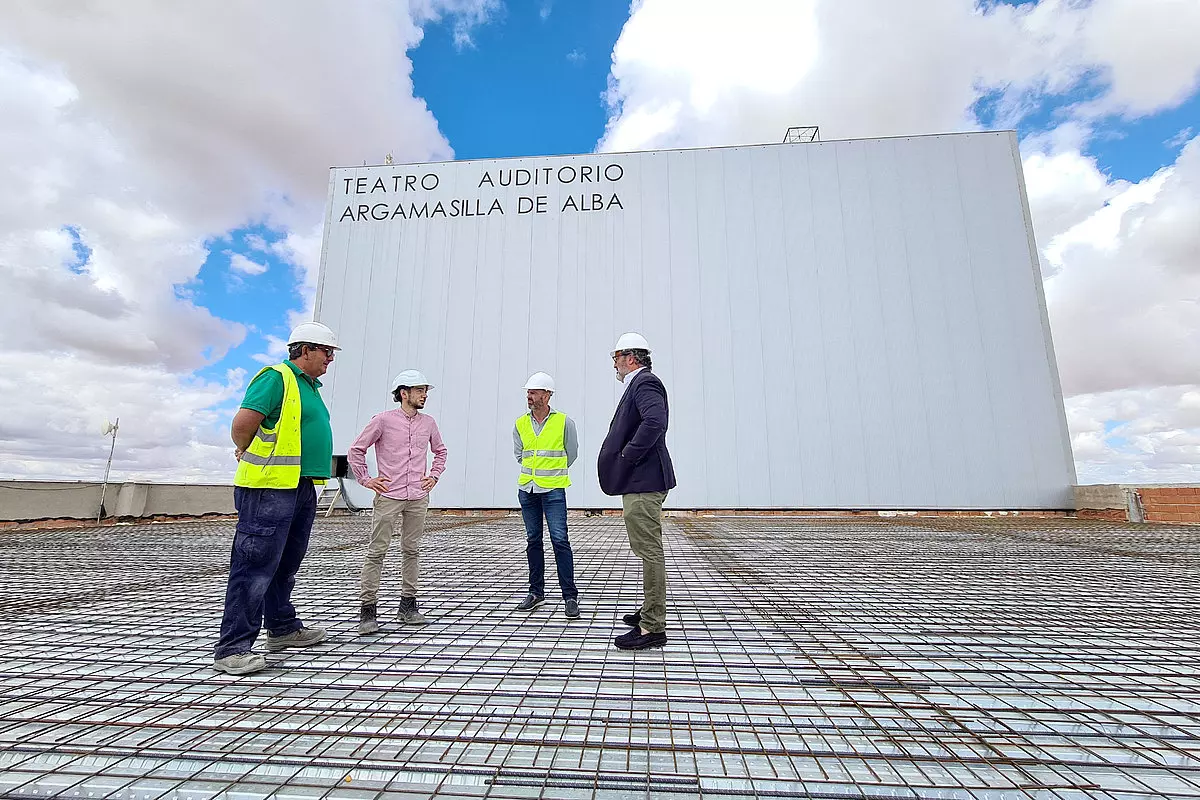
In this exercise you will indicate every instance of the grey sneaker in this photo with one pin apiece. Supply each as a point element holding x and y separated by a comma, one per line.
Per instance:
<point>409,614</point>
<point>367,623</point>
<point>572,609</point>
<point>240,663</point>
<point>305,637</point>
<point>530,602</point>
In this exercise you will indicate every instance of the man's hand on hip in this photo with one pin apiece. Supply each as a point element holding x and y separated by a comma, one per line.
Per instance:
<point>428,482</point>
<point>377,485</point>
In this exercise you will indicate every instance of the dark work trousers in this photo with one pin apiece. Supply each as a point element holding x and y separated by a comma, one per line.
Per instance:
<point>272,537</point>
<point>553,506</point>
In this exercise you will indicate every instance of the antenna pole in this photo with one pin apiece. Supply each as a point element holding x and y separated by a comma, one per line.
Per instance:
<point>107,469</point>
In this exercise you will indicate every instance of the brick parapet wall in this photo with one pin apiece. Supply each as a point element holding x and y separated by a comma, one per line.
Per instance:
<point>1107,514</point>
<point>1171,504</point>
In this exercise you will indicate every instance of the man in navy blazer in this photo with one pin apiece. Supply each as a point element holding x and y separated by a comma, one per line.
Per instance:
<point>635,464</point>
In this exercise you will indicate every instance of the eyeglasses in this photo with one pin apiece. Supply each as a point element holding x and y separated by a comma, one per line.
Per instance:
<point>328,351</point>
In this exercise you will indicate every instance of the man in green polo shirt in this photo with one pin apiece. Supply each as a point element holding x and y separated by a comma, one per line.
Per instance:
<point>284,444</point>
<point>265,396</point>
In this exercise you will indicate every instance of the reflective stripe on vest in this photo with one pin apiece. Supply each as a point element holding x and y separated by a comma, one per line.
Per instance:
<point>544,455</point>
<point>543,473</point>
<point>272,461</point>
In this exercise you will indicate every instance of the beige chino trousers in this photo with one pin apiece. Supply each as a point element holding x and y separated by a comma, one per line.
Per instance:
<point>384,516</point>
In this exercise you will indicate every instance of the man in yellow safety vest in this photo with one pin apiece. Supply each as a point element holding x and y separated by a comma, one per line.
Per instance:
<point>545,444</point>
<point>284,446</point>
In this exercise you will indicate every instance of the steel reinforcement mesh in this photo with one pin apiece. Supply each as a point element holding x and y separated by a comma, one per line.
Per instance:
<point>837,658</point>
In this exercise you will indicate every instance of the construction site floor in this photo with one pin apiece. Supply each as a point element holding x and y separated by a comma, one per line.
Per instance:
<point>836,658</point>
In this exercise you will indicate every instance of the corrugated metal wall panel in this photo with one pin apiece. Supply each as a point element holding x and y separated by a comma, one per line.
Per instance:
<point>848,324</point>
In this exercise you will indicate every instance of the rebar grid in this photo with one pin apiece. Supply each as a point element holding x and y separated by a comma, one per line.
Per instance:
<point>913,658</point>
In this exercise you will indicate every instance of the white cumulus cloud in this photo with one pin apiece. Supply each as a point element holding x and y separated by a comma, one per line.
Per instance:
<point>1125,297</point>
<point>239,263</point>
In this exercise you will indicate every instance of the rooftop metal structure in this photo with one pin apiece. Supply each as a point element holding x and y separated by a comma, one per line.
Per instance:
<point>830,658</point>
<point>802,135</point>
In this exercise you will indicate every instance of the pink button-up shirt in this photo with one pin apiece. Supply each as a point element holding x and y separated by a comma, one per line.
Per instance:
<point>401,447</point>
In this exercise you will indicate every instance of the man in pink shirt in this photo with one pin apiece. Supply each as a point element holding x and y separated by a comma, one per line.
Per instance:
<point>402,438</point>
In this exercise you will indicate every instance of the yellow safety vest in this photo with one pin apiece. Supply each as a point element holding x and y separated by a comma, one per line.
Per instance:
<point>272,461</point>
<point>544,456</point>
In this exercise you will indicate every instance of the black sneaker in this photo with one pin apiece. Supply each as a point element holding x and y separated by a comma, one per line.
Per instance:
<point>572,609</point>
<point>636,640</point>
<point>633,620</point>
<point>530,602</point>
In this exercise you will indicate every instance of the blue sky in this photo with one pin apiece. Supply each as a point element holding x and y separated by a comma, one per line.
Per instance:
<point>531,85</point>
<point>261,302</point>
<point>1133,149</point>
<point>1128,149</point>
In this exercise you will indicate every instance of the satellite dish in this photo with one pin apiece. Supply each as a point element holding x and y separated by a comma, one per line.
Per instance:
<point>107,428</point>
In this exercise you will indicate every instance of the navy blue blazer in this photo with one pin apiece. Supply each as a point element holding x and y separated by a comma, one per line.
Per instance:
<point>634,457</point>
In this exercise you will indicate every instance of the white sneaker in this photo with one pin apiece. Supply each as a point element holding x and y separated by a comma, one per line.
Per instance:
<point>305,637</point>
<point>240,663</point>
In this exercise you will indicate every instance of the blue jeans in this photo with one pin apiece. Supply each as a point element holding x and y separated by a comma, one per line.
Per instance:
<point>552,505</point>
<point>272,537</point>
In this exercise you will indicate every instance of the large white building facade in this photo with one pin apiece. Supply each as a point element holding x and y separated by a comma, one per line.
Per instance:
<point>840,325</point>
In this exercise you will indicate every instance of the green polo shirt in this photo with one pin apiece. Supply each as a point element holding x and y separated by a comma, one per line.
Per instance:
<point>265,395</point>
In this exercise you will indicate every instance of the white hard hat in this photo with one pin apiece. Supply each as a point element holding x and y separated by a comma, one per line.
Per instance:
<point>540,380</point>
<point>631,341</point>
<point>313,333</point>
<point>410,377</point>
